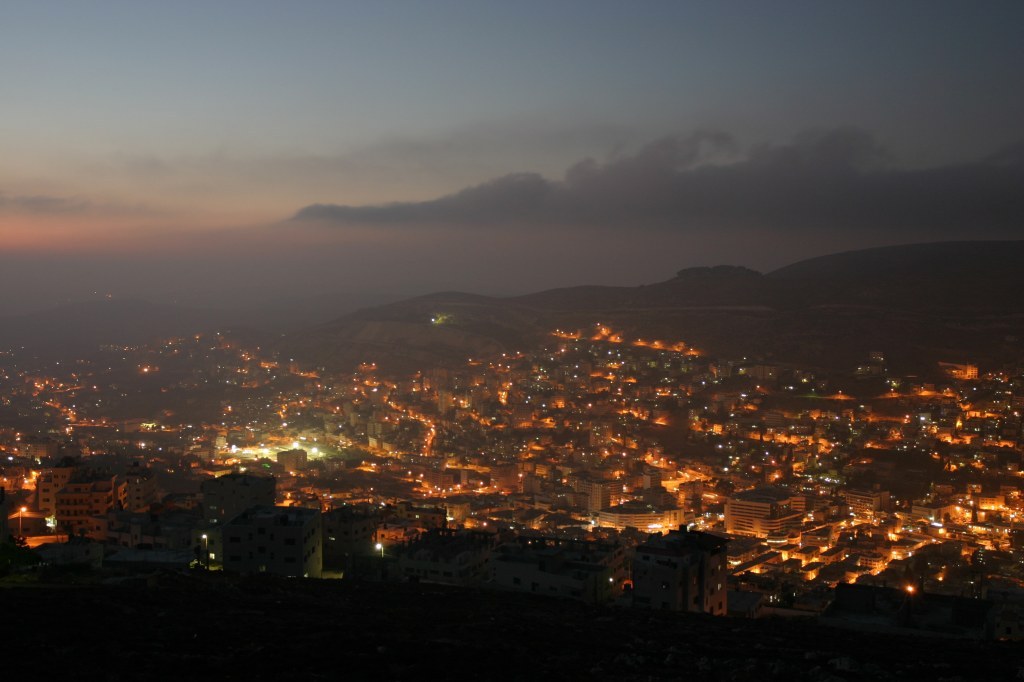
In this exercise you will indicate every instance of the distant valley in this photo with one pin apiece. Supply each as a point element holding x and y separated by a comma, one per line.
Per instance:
<point>917,304</point>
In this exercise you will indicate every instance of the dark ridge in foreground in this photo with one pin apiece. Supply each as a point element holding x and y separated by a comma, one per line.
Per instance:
<point>205,627</point>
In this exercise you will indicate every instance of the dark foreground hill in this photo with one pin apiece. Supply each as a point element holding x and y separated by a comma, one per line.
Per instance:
<point>207,627</point>
<point>918,304</point>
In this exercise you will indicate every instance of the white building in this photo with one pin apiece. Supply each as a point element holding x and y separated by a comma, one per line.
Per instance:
<point>646,517</point>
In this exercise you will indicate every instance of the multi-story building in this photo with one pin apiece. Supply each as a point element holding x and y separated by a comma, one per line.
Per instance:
<point>139,489</point>
<point>293,460</point>
<point>284,541</point>
<point>81,502</point>
<point>867,501</point>
<point>40,448</point>
<point>48,485</point>
<point>763,512</point>
<point>425,517</point>
<point>939,511</point>
<point>446,556</point>
<point>592,572</point>
<point>227,496</point>
<point>599,492</point>
<point>964,372</point>
<point>348,532</point>
<point>681,571</point>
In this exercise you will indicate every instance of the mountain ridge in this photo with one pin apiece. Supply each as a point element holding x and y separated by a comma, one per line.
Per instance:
<point>829,310</point>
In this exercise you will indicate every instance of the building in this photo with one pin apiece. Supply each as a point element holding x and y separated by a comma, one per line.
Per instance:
<point>938,511</point>
<point>139,489</point>
<point>867,501</point>
<point>48,485</point>
<point>964,372</point>
<point>149,559</point>
<point>74,552</point>
<point>285,541</point>
<point>227,496</point>
<point>447,556</point>
<point>293,460</point>
<point>426,517</point>
<point>172,529</point>
<point>4,504</point>
<point>681,571</point>
<point>762,512</point>
<point>81,502</point>
<point>23,522</point>
<point>745,604</point>
<point>348,532</point>
<point>599,492</point>
<point>592,572</point>
<point>647,517</point>
<point>40,448</point>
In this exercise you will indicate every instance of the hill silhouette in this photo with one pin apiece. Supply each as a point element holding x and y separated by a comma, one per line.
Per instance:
<point>917,303</point>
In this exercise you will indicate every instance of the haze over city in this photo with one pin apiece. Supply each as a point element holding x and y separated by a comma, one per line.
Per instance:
<point>233,153</point>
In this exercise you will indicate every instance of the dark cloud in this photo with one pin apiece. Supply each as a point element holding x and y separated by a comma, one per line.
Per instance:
<point>41,204</point>
<point>73,207</point>
<point>839,179</point>
<point>518,196</point>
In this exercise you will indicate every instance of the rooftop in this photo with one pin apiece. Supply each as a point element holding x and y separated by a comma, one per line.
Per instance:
<point>282,516</point>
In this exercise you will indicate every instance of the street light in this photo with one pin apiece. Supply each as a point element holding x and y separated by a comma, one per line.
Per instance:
<point>379,546</point>
<point>21,515</point>
<point>206,552</point>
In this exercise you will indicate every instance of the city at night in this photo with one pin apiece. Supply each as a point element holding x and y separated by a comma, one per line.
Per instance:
<point>479,340</point>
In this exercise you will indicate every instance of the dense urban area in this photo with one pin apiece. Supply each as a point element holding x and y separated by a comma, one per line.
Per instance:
<point>594,467</point>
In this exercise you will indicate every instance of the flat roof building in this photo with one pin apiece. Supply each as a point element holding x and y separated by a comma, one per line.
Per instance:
<point>227,496</point>
<point>681,571</point>
<point>762,512</point>
<point>646,517</point>
<point>283,541</point>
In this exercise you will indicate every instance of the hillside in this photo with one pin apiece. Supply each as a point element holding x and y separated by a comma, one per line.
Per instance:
<point>917,303</point>
<point>418,333</point>
<point>968,277</point>
<point>216,627</point>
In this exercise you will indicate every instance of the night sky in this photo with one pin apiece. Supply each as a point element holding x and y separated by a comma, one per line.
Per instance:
<point>230,152</point>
